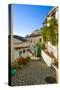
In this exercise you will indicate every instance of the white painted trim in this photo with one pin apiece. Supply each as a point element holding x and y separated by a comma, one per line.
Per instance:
<point>46,58</point>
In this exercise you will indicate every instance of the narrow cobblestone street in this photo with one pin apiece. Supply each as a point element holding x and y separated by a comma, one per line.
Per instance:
<point>34,73</point>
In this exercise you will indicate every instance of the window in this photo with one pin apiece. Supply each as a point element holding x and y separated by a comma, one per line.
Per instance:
<point>20,52</point>
<point>40,39</point>
<point>24,51</point>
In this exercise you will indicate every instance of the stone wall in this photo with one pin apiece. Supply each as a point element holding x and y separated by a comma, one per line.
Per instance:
<point>34,40</point>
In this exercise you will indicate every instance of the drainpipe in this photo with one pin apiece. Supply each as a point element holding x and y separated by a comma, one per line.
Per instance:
<point>11,33</point>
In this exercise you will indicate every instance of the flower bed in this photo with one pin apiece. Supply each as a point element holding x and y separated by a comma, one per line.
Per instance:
<point>22,61</point>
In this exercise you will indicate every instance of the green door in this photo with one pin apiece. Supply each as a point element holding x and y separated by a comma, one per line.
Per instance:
<point>38,51</point>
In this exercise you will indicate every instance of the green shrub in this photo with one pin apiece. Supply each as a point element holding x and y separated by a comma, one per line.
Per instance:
<point>28,59</point>
<point>14,65</point>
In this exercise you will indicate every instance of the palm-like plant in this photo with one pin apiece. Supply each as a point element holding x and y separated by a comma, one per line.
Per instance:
<point>45,34</point>
<point>53,29</point>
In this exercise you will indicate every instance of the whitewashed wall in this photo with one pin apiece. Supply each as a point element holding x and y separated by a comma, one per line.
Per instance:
<point>46,58</point>
<point>52,49</point>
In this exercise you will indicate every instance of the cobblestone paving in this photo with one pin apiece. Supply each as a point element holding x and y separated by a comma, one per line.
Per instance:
<point>34,73</point>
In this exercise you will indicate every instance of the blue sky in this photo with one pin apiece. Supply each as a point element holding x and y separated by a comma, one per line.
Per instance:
<point>28,18</point>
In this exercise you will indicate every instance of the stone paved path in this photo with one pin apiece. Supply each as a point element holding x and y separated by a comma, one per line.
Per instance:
<point>34,73</point>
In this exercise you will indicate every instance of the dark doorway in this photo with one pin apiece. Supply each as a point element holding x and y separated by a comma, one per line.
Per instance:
<point>50,79</point>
